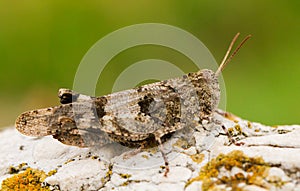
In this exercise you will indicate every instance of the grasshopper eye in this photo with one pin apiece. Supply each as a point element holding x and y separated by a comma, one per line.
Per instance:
<point>66,98</point>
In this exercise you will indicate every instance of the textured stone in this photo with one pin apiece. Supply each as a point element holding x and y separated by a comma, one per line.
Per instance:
<point>108,168</point>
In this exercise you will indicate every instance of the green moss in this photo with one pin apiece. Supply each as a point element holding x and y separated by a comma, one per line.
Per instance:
<point>255,168</point>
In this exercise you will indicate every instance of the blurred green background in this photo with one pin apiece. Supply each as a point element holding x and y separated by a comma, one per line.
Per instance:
<point>43,42</point>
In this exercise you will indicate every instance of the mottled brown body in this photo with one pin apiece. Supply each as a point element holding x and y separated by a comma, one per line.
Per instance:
<point>129,116</point>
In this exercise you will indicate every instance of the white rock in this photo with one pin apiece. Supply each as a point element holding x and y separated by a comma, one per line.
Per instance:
<point>179,186</point>
<point>277,174</point>
<point>194,186</point>
<point>288,187</point>
<point>77,170</point>
<point>79,174</point>
<point>236,170</point>
<point>176,174</point>
<point>147,186</point>
<point>253,188</point>
<point>117,180</point>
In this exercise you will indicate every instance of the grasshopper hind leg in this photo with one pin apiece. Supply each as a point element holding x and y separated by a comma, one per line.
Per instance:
<point>161,148</point>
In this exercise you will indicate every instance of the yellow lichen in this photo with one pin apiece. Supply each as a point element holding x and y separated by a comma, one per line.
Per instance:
<point>107,175</point>
<point>68,161</point>
<point>145,156</point>
<point>283,131</point>
<point>198,158</point>
<point>30,179</point>
<point>130,181</point>
<point>231,117</point>
<point>14,170</point>
<point>152,150</point>
<point>238,129</point>
<point>230,131</point>
<point>102,180</point>
<point>125,176</point>
<point>181,143</point>
<point>52,172</point>
<point>94,157</point>
<point>249,125</point>
<point>255,168</point>
<point>125,183</point>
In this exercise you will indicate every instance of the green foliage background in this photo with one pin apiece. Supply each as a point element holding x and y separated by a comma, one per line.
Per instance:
<point>43,42</point>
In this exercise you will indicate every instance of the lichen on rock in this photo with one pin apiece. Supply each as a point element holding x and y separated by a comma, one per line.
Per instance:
<point>205,159</point>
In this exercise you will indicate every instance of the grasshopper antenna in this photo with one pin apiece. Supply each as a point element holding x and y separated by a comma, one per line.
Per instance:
<point>227,59</point>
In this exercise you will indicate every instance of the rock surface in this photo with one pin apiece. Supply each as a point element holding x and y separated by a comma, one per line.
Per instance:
<point>268,159</point>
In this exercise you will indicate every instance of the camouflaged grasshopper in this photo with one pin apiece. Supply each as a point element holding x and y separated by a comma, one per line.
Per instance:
<point>133,117</point>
